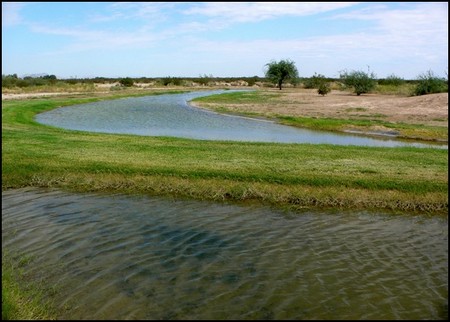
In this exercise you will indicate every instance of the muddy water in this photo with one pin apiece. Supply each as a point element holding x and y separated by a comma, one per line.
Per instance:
<point>122,257</point>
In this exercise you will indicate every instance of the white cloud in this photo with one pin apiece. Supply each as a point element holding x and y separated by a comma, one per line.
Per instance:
<point>406,34</point>
<point>257,11</point>
<point>97,39</point>
<point>11,13</point>
<point>423,20</point>
<point>151,12</point>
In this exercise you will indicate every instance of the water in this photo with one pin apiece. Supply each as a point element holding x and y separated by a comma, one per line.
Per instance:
<point>171,115</point>
<point>122,257</point>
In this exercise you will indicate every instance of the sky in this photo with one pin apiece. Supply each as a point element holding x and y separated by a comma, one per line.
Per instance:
<point>223,39</point>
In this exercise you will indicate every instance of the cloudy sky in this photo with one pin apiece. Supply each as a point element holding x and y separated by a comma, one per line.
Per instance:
<point>223,39</point>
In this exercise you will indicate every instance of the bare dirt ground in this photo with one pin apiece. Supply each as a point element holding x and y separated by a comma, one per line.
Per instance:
<point>429,109</point>
<point>18,96</point>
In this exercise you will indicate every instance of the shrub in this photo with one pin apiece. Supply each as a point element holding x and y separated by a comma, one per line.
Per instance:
<point>361,82</point>
<point>252,80</point>
<point>127,82</point>
<point>324,88</point>
<point>9,81</point>
<point>314,81</point>
<point>392,80</point>
<point>429,83</point>
<point>176,81</point>
<point>204,80</point>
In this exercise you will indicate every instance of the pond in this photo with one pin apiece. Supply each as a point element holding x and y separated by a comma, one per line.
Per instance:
<point>171,115</point>
<point>137,257</point>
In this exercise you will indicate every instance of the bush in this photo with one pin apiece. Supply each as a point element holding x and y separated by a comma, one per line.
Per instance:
<point>392,80</point>
<point>314,81</point>
<point>176,81</point>
<point>361,82</point>
<point>429,83</point>
<point>204,80</point>
<point>324,88</point>
<point>127,82</point>
<point>252,80</point>
<point>9,81</point>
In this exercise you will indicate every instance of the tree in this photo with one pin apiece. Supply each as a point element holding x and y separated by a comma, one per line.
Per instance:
<point>280,71</point>
<point>362,82</point>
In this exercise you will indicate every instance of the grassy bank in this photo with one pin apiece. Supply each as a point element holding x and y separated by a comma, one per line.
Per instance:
<point>238,102</point>
<point>287,175</point>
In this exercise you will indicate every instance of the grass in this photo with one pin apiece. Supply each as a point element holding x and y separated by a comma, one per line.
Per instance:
<point>243,97</point>
<point>405,89</point>
<point>23,298</point>
<point>405,131</point>
<point>293,176</point>
<point>357,122</point>
<point>286,175</point>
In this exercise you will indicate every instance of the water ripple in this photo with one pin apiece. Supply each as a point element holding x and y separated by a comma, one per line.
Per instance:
<point>117,257</point>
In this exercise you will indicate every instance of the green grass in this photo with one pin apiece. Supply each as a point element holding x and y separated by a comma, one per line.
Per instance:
<point>286,175</point>
<point>362,123</point>
<point>243,97</point>
<point>405,131</point>
<point>293,176</point>
<point>23,298</point>
<point>405,89</point>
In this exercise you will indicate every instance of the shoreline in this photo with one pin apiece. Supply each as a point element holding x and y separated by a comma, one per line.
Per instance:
<point>296,176</point>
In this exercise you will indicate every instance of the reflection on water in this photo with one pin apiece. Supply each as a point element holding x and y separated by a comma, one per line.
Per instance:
<point>121,257</point>
<point>170,115</point>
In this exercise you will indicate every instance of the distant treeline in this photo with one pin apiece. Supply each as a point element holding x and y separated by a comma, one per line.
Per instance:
<point>13,80</point>
<point>425,83</point>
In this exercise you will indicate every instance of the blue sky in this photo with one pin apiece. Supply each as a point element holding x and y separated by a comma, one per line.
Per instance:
<point>223,39</point>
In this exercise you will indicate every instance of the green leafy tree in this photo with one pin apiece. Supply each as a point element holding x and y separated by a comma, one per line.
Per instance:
<point>361,82</point>
<point>278,72</point>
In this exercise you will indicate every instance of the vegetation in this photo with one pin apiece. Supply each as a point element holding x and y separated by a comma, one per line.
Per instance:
<point>278,72</point>
<point>318,81</point>
<point>235,102</point>
<point>429,83</point>
<point>127,82</point>
<point>392,80</point>
<point>425,84</point>
<point>22,299</point>
<point>290,175</point>
<point>360,81</point>
<point>295,176</point>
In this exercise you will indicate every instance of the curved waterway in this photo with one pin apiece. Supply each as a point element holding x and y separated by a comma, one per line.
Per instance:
<point>171,115</point>
<point>137,257</point>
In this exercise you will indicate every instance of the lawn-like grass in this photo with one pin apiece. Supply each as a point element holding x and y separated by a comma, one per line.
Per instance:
<point>286,175</point>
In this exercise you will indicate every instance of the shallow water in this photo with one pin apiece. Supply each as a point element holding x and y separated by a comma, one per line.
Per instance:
<point>123,257</point>
<point>171,115</point>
